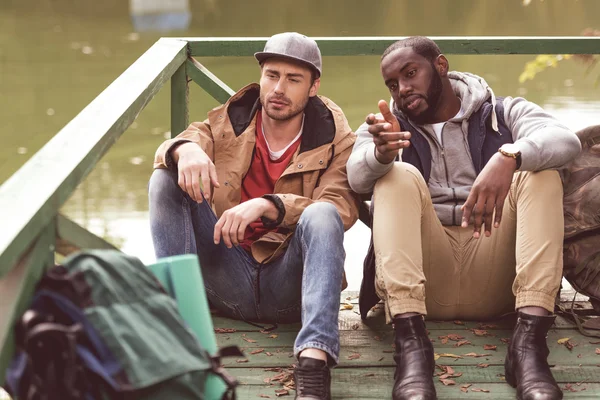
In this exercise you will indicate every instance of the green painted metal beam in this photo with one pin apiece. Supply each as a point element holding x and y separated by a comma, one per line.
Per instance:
<point>17,286</point>
<point>353,46</point>
<point>32,196</point>
<point>179,101</point>
<point>208,81</point>
<point>78,237</point>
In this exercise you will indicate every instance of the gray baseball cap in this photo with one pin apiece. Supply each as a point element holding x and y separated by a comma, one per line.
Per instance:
<point>294,46</point>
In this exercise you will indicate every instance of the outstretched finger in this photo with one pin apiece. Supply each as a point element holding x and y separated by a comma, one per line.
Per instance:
<point>384,109</point>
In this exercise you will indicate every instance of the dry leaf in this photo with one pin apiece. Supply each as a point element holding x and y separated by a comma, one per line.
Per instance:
<point>483,365</point>
<point>569,345</point>
<point>505,340</point>
<point>445,340</point>
<point>490,347</point>
<point>480,390</point>
<point>355,326</point>
<point>597,351</point>
<point>461,343</point>
<point>269,353</point>
<point>436,356</point>
<point>480,332</point>
<point>273,336</point>
<point>381,359</point>
<point>368,375</point>
<point>476,355</point>
<point>563,340</point>
<point>347,306</point>
<point>353,356</point>
<point>281,392</point>
<point>257,351</point>
<point>225,330</point>
<point>455,337</point>
<point>487,326</point>
<point>597,342</point>
<point>458,322</point>
<point>264,396</point>
<point>248,340</point>
<point>244,360</point>
<point>447,382</point>
<point>465,388</point>
<point>450,355</point>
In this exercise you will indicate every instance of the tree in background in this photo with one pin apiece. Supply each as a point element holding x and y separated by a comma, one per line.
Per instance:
<point>544,61</point>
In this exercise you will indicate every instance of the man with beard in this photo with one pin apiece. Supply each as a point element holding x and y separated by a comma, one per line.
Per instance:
<point>469,160</point>
<point>259,191</point>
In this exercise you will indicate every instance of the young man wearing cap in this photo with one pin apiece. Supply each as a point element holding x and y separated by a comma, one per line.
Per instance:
<point>470,224</point>
<point>259,191</point>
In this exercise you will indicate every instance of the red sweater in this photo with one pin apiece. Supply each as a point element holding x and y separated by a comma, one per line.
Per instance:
<point>260,179</point>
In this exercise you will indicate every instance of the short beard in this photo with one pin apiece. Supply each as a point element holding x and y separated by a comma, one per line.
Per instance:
<point>434,94</point>
<point>277,116</point>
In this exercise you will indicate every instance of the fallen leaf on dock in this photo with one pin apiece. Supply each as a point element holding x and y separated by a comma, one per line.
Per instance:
<point>450,355</point>
<point>461,343</point>
<point>347,306</point>
<point>480,390</point>
<point>476,355</point>
<point>281,392</point>
<point>490,347</point>
<point>563,340</point>
<point>447,382</point>
<point>353,356</point>
<point>257,351</point>
<point>483,365</point>
<point>225,330</point>
<point>243,360</point>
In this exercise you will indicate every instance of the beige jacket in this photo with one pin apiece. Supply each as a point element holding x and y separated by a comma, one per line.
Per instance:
<point>317,171</point>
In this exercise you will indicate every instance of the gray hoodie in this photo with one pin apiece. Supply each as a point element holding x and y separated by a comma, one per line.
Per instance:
<point>543,141</point>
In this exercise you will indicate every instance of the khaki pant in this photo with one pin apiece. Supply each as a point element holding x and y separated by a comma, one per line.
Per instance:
<point>464,277</point>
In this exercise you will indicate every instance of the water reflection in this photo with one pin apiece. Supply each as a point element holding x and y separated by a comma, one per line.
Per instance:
<point>57,55</point>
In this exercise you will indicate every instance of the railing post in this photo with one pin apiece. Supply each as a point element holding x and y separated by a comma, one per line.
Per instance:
<point>179,101</point>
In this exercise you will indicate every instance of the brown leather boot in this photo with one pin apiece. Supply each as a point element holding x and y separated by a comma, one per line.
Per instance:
<point>526,366</point>
<point>414,361</point>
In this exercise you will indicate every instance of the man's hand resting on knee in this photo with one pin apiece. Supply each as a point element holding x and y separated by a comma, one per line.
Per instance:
<point>194,167</point>
<point>488,193</point>
<point>232,224</point>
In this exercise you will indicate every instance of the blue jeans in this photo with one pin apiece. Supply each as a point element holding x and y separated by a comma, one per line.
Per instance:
<point>302,285</point>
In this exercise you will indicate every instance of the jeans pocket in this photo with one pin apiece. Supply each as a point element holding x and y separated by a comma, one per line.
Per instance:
<point>289,315</point>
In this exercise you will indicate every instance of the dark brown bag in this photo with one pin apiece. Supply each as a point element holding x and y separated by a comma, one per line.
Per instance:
<point>581,183</point>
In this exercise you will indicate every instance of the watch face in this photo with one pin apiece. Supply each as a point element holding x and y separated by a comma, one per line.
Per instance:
<point>510,148</point>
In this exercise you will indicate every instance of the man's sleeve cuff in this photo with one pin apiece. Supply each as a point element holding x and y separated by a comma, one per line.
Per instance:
<point>269,223</point>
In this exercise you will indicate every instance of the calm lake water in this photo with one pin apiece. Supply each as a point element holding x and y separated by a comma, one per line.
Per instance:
<point>57,55</point>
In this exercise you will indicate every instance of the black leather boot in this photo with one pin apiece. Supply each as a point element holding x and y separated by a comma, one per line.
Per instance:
<point>526,366</point>
<point>313,379</point>
<point>414,361</point>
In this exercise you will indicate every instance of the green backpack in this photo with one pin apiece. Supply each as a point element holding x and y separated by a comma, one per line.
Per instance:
<point>102,326</point>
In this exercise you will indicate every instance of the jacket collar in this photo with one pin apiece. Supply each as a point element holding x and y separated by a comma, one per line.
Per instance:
<point>319,124</point>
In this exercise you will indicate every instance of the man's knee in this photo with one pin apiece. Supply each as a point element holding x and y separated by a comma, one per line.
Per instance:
<point>542,183</point>
<point>162,182</point>
<point>323,216</point>
<point>402,176</point>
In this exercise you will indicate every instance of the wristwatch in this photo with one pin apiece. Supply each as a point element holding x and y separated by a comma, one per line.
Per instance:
<point>511,150</point>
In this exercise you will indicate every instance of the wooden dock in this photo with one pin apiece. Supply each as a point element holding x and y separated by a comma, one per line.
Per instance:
<point>469,358</point>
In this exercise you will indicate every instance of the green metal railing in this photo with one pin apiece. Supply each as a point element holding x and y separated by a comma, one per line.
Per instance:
<point>32,230</point>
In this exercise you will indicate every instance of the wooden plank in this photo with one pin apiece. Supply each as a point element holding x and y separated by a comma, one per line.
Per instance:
<point>17,286</point>
<point>470,374</point>
<point>72,237</point>
<point>352,46</point>
<point>376,383</point>
<point>179,101</point>
<point>208,81</point>
<point>54,172</point>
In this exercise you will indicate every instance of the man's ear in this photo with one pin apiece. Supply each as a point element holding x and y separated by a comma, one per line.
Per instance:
<point>441,65</point>
<point>315,87</point>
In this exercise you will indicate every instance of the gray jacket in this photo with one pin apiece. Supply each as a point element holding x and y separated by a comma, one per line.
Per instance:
<point>543,141</point>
